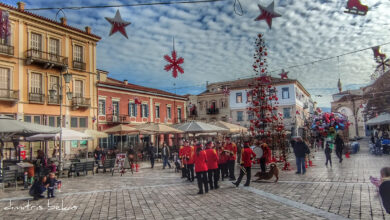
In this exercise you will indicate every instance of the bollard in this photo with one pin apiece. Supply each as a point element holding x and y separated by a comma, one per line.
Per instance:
<point>25,180</point>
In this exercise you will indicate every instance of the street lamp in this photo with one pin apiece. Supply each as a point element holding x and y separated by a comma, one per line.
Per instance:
<point>52,92</point>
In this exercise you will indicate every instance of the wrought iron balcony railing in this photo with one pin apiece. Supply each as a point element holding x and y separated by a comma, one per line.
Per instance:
<point>45,58</point>
<point>6,49</point>
<point>9,95</point>
<point>36,97</point>
<point>81,102</point>
<point>79,65</point>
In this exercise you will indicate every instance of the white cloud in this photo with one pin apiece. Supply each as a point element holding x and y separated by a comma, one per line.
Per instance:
<point>218,44</point>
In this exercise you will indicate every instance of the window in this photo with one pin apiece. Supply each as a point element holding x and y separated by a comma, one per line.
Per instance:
<point>169,112</point>
<point>4,82</point>
<point>240,115</point>
<point>239,97</point>
<point>286,113</point>
<point>78,88</point>
<point>115,107</point>
<point>37,119</point>
<point>132,109</point>
<point>27,118</point>
<point>144,111</point>
<point>179,114</point>
<point>102,107</point>
<point>285,93</point>
<point>36,44</point>
<point>157,111</point>
<point>78,122</point>
<point>250,116</point>
<point>78,53</point>
<point>223,103</point>
<point>36,83</point>
<point>53,84</point>
<point>54,49</point>
<point>54,121</point>
<point>213,105</point>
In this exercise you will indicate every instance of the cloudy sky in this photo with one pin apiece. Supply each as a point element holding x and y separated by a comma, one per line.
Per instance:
<point>217,44</point>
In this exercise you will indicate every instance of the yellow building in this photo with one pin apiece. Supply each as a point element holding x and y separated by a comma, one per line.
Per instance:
<point>34,51</point>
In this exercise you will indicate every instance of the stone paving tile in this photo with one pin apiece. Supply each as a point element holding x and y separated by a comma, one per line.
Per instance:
<point>161,194</point>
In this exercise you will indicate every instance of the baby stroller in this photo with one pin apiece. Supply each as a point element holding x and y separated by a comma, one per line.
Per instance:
<point>386,146</point>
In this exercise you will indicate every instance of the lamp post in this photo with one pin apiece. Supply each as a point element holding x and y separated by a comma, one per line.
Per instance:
<point>67,78</point>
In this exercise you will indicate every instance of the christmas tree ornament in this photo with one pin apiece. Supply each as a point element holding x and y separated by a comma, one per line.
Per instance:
<point>355,7</point>
<point>283,75</point>
<point>118,24</point>
<point>174,62</point>
<point>267,14</point>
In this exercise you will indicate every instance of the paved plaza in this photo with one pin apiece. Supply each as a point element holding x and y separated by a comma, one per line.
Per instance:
<point>341,192</point>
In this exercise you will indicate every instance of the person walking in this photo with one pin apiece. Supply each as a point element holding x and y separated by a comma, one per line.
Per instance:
<point>232,149</point>
<point>339,147</point>
<point>247,155</point>
<point>201,169</point>
<point>212,165</point>
<point>165,153</point>
<point>328,157</point>
<point>300,151</point>
<point>152,154</point>
<point>182,162</point>
<point>384,188</point>
<point>265,157</point>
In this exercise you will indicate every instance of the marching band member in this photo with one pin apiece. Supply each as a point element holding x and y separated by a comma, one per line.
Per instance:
<point>201,169</point>
<point>189,161</point>
<point>232,149</point>
<point>246,163</point>
<point>222,160</point>
<point>212,165</point>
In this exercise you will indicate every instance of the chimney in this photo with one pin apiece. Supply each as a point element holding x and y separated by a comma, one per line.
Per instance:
<point>88,29</point>
<point>21,6</point>
<point>125,82</point>
<point>63,21</point>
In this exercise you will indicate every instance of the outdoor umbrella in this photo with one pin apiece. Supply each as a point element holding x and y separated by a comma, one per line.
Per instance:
<point>67,135</point>
<point>121,129</point>
<point>232,128</point>
<point>379,120</point>
<point>95,134</point>
<point>199,127</point>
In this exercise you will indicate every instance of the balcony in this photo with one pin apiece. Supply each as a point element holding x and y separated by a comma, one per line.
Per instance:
<point>46,60</point>
<point>53,100</point>
<point>7,49</point>
<point>118,119</point>
<point>81,102</point>
<point>212,111</point>
<point>36,97</point>
<point>9,95</point>
<point>79,65</point>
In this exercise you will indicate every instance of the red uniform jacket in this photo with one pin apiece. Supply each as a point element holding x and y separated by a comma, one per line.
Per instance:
<point>232,148</point>
<point>246,156</point>
<point>200,162</point>
<point>266,152</point>
<point>188,152</point>
<point>222,157</point>
<point>212,159</point>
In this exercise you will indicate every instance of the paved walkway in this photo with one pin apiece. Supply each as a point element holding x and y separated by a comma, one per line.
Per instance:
<point>340,192</point>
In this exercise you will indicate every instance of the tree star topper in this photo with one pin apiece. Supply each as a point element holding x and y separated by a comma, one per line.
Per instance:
<point>117,24</point>
<point>174,64</point>
<point>267,13</point>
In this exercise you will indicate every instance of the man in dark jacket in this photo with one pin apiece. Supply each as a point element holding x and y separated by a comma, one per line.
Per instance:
<point>384,188</point>
<point>152,154</point>
<point>339,147</point>
<point>166,153</point>
<point>300,151</point>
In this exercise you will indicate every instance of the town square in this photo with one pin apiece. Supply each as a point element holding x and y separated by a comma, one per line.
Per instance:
<point>198,109</point>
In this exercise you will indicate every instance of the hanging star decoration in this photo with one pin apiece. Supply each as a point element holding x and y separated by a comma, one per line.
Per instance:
<point>226,91</point>
<point>267,13</point>
<point>137,101</point>
<point>118,24</point>
<point>283,75</point>
<point>174,64</point>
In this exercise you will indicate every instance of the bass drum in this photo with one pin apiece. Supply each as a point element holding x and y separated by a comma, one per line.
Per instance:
<point>258,151</point>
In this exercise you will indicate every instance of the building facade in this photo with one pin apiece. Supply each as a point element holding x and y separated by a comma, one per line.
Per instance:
<point>228,101</point>
<point>34,52</point>
<point>121,102</point>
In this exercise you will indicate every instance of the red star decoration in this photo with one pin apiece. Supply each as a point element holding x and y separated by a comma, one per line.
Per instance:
<point>283,75</point>
<point>117,24</point>
<point>267,13</point>
<point>174,64</point>
<point>297,112</point>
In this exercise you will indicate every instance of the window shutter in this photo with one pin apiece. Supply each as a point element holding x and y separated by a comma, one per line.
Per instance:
<point>135,110</point>
<point>129,112</point>
<point>147,110</point>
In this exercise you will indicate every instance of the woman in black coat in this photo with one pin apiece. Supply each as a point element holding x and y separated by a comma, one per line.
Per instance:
<point>339,147</point>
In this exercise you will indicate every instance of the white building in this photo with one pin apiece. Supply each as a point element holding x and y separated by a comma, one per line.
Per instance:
<point>295,103</point>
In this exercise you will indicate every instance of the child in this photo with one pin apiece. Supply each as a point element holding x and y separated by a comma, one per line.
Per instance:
<point>328,153</point>
<point>51,183</point>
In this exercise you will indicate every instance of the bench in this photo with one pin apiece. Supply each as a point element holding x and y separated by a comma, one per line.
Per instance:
<point>76,168</point>
<point>107,164</point>
<point>89,166</point>
<point>9,176</point>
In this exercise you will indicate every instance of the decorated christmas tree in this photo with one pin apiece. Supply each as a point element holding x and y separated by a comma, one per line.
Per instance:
<point>266,123</point>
